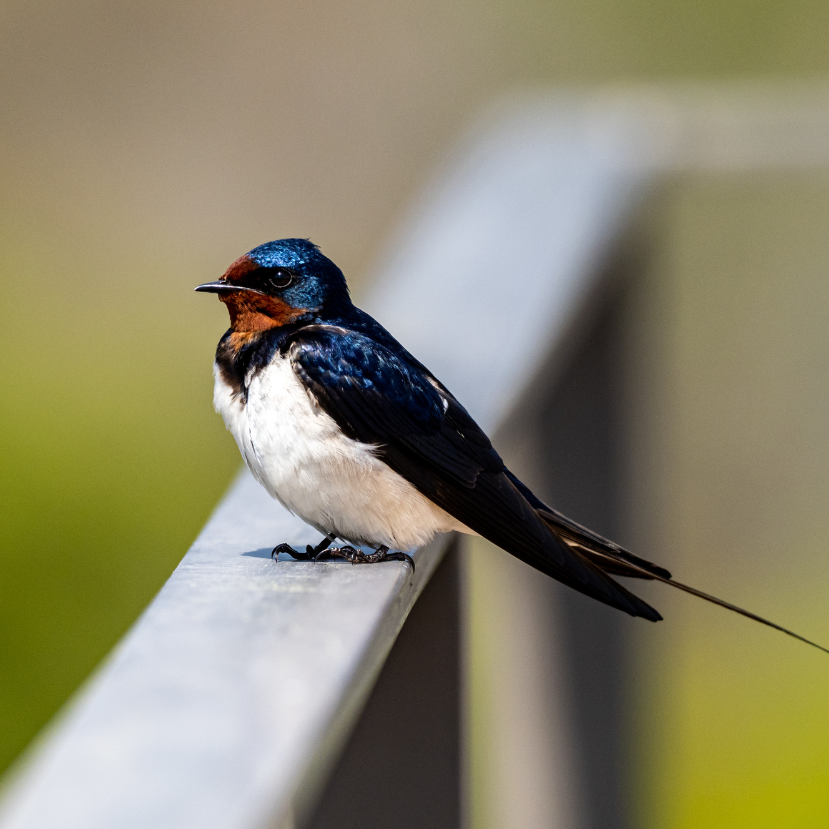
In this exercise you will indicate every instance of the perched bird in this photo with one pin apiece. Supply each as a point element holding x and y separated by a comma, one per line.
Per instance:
<point>345,428</point>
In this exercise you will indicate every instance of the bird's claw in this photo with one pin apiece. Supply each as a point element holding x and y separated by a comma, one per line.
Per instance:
<point>400,557</point>
<point>359,557</point>
<point>287,548</point>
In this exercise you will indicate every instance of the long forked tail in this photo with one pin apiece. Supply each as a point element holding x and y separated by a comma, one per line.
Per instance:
<point>728,606</point>
<point>618,561</point>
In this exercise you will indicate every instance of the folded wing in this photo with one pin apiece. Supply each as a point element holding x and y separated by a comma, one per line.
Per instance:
<point>377,396</point>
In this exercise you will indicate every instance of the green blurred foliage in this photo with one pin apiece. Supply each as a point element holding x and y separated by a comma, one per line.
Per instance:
<point>726,482</point>
<point>112,460</point>
<point>733,718</point>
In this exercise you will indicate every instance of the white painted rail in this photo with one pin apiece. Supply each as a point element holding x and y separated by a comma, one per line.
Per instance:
<point>227,703</point>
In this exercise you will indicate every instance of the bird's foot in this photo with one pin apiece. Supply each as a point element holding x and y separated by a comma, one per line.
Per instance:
<point>310,554</point>
<point>359,557</point>
<point>287,548</point>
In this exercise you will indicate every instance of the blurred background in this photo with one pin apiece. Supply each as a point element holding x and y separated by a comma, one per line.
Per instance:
<point>144,146</point>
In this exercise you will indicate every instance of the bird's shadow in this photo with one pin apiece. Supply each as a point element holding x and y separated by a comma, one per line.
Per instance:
<point>264,552</point>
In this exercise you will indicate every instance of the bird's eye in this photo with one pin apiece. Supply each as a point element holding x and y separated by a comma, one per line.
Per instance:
<point>280,278</point>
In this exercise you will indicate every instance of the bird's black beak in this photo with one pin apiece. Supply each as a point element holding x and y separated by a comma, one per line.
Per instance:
<point>226,288</point>
<point>216,287</point>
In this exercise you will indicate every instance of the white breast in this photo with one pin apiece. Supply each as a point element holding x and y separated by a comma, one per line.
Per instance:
<point>338,485</point>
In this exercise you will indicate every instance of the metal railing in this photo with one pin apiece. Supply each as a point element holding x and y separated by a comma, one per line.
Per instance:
<point>231,701</point>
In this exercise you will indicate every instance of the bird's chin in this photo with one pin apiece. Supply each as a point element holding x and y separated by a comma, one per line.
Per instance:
<point>251,311</point>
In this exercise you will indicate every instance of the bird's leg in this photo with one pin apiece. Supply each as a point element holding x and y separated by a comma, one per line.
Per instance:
<point>359,557</point>
<point>310,553</point>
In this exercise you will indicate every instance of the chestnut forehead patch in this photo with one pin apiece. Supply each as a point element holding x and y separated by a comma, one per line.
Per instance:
<point>240,268</point>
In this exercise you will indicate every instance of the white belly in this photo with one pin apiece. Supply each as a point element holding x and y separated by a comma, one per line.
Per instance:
<point>338,485</point>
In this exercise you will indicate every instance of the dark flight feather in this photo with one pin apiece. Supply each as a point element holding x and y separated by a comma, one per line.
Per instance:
<point>610,556</point>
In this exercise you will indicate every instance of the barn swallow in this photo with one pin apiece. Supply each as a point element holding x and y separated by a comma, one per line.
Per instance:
<point>349,431</point>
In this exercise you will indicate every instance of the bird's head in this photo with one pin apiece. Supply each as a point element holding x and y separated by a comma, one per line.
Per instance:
<point>279,283</point>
